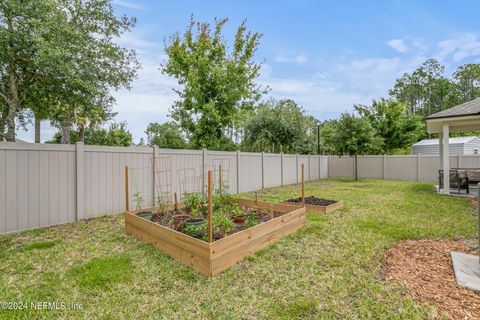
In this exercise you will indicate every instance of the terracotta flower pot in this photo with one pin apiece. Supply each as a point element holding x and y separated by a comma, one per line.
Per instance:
<point>239,219</point>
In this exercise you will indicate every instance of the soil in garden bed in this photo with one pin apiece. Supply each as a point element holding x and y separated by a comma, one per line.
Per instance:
<point>424,267</point>
<point>313,201</point>
<point>166,220</point>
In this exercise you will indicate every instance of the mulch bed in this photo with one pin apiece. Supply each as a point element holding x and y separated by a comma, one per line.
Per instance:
<point>425,268</point>
<point>313,201</point>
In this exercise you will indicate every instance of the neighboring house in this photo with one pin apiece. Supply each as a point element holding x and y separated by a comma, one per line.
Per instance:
<point>460,145</point>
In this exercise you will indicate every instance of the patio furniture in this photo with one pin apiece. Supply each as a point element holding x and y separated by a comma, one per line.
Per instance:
<point>472,174</point>
<point>458,180</point>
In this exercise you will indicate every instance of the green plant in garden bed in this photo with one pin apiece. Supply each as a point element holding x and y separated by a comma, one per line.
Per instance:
<point>137,197</point>
<point>330,269</point>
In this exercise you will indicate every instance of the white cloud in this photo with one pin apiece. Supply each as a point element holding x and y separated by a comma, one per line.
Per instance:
<point>128,4</point>
<point>459,47</point>
<point>300,58</point>
<point>398,45</point>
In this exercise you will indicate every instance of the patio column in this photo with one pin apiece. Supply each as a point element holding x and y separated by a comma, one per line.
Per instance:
<point>440,149</point>
<point>446,159</point>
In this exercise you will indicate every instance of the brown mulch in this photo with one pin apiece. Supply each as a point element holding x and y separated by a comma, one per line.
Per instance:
<point>425,267</point>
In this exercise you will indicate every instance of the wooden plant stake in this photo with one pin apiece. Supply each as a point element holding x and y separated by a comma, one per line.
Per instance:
<point>210,206</point>
<point>256,199</point>
<point>271,211</point>
<point>220,178</point>
<point>126,189</point>
<point>176,202</point>
<point>303,187</point>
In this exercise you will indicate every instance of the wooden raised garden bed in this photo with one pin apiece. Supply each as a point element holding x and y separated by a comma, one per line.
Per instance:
<point>210,258</point>
<point>320,206</point>
<point>314,204</point>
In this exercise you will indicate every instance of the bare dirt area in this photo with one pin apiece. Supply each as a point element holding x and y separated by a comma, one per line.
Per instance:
<point>425,268</point>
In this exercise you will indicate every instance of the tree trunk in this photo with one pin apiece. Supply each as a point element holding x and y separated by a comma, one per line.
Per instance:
<point>81,134</point>
<point>37,129</point>
<point>65,130</point>
<point>12,106</point>
<point>3,122</point>
<point>12,88</point>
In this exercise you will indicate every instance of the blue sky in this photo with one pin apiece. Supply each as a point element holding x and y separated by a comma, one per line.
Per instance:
<point>326,55</point>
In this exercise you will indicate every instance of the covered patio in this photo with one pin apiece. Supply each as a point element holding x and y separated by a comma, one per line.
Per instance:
<point>462,118</point>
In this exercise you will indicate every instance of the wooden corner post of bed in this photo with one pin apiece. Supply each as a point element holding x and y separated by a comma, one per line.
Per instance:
<point>210,238</point>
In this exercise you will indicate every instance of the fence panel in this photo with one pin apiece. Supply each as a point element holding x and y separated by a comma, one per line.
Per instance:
<point>250,173</point>
<point>178,171</point>
<point>289,169</point>
<point>273,168</point>
<point>314,167</point>
<point>370,167</point>
<point>324,167</point>
<point>303,160</point>
<point>104,179</point>
<point>36,186</point>
<point>228,161</point>
<point>341,167</point>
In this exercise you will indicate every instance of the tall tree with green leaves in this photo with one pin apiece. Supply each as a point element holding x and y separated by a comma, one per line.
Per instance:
<point>467,81</point>
<point>218,82</point>
<point>21,25</point>
<point>166,135</point>
<point>425,90</point>
<point>393,123</point>
<point>280,126</point>
<point>355,136</point>
<point>62,51</point>
<point>116,135</point>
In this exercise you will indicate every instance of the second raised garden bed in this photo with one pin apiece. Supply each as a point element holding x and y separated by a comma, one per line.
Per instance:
<point>317,205</point>
<point>314,204</point>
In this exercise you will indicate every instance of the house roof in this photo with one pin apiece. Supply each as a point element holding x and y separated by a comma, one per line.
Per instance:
<point>465,109</point>
<point>456,140</point>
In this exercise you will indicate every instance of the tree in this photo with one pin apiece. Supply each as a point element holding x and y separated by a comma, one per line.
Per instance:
<point>116,135</point>
<point>165,135</point>
<point>426,90</point>
<point>21,60</point>
<point>280,127</point>
<point>390,119</point>
<point>467,80</point>
<point>219,86</point>
<point>355,136</point>
<point>61,54</point>
<point>327,130</point>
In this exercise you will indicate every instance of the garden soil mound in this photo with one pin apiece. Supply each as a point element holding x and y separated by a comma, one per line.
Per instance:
<point>425,268</point>
<point>313,201</point>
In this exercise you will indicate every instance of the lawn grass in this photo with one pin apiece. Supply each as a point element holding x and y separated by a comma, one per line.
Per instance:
<point>329,269</point>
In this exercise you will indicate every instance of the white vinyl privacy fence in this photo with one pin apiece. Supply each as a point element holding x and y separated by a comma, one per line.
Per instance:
<point>47,184</point>
<point>402,167</point>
